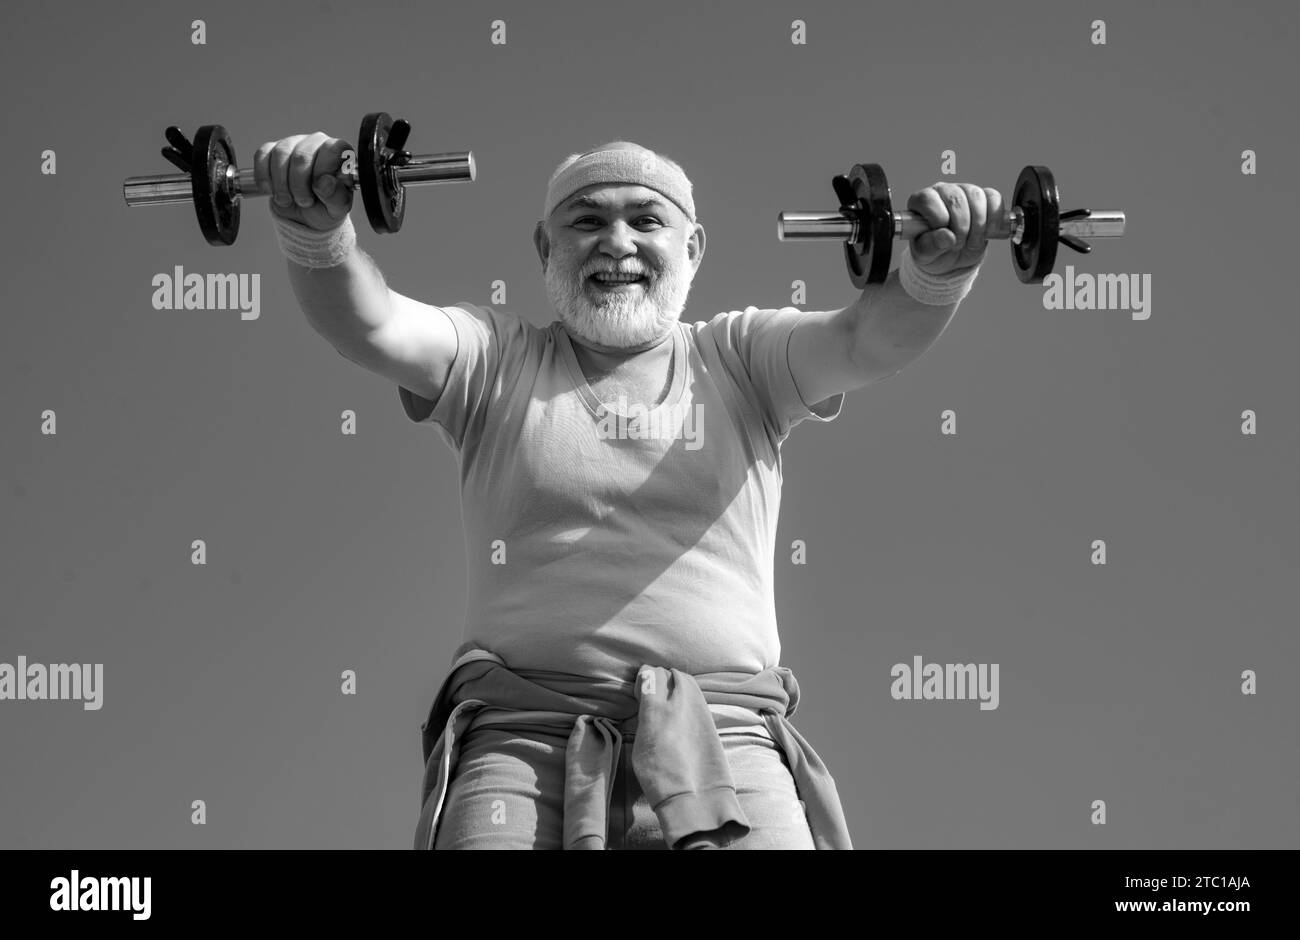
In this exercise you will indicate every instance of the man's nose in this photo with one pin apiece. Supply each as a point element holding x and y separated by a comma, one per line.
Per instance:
<point>618,239</point>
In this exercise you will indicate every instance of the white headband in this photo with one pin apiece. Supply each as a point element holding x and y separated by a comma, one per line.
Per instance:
<point>633,167</point>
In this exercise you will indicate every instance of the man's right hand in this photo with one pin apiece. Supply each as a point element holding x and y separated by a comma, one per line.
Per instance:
<point>300,173</point>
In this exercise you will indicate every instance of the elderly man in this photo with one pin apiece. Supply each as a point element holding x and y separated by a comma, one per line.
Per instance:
<point>618,685</point>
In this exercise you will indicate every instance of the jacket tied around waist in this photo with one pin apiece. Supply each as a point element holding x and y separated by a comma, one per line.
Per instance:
<point>677,755</point>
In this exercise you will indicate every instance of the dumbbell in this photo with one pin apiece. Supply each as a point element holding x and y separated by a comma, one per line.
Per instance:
<point>867,224</point>
<point>216,185</point>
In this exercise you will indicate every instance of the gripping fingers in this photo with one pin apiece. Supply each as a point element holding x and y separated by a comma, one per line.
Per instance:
<point>977,206</point>
<point>954,199</point>
<point>929,205</point>
<point>335,195</point>
<point>993,206</point>
<point>262,165</point>
<point>278,170</point>
<point>300,169</point>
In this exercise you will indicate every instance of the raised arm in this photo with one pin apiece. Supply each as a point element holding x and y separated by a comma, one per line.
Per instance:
<point>409,343</point>
<point>885,329</point>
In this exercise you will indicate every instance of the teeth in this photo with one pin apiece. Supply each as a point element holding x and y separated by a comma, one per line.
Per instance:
<point>618,279</point>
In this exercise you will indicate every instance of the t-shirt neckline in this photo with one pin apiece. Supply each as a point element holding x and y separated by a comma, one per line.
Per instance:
<point>594,404</point>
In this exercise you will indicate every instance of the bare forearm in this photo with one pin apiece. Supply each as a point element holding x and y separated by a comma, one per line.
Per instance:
<point>344,303</point>
<point>892,329</point>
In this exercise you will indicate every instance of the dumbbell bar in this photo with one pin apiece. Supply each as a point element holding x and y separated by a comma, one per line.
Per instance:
<point>867,224</point>
<point>215,184</point>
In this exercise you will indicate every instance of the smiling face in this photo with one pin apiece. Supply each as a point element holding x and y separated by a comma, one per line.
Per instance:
<point>612,228</point>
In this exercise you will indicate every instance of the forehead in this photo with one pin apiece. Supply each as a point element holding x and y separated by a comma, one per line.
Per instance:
<point>615,196</point>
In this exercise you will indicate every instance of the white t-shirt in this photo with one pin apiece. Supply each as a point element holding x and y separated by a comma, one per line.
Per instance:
<point>624,542</point>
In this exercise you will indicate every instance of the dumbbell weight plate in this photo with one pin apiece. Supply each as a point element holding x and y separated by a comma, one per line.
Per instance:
<point>1039,200</point>
<point>383,195</point>
<point>216,199</point>
<point>868,256</point>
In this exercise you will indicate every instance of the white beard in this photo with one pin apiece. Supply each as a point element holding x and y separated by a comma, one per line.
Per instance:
<point>623,319</point>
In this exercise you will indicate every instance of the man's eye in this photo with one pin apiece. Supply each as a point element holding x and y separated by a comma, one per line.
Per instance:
<point>592,218</point>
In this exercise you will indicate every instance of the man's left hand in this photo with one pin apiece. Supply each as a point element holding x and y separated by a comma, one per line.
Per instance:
<point>958,215</point>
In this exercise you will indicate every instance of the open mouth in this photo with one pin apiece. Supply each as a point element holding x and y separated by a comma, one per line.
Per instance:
<point>617,285</point>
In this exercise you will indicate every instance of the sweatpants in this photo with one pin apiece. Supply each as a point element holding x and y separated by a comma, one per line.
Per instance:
<point>508,793</point>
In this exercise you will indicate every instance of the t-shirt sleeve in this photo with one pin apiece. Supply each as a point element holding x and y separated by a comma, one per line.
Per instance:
<point>488,341</point>
<point>760,341</point>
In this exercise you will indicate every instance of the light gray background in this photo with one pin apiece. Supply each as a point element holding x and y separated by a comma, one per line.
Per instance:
<point>328,552</point>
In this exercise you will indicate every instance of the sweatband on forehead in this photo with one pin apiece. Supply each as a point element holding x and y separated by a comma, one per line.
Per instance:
<point>630,167</point>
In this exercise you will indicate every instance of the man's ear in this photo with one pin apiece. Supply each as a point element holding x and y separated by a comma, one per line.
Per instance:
<point>695,245</point>
<point>542,242</point>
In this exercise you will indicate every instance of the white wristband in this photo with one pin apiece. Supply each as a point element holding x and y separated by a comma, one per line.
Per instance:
<point>304,245</point>
<point>935,289</point>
